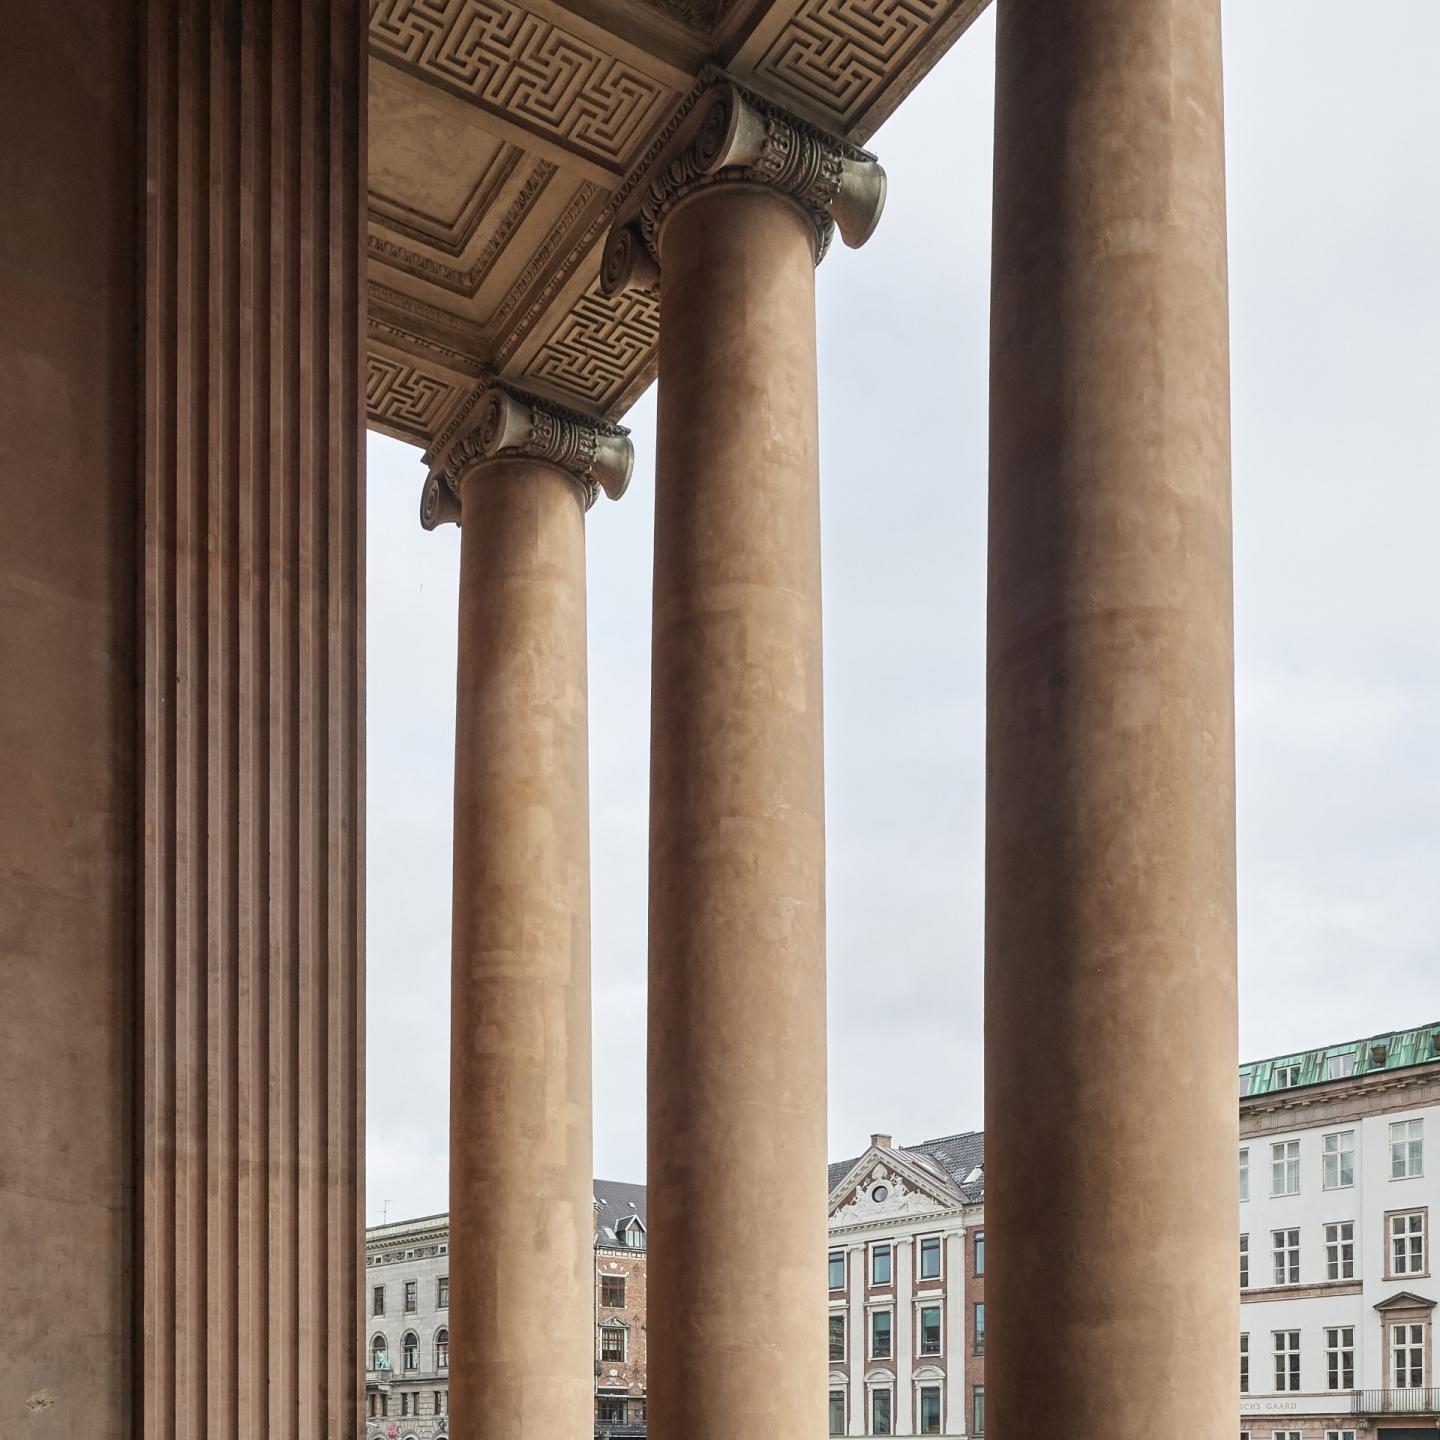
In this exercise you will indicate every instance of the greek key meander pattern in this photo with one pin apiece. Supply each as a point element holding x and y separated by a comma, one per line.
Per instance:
<point>599,347</point>
<point>524,68</point>
<point>839,54</point>
<point>402,397</point>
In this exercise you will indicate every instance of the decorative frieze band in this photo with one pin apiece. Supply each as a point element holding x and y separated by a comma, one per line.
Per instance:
<point>596,455</point>
<point>735,137</point>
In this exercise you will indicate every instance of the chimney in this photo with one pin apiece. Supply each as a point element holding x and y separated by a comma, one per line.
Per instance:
<point>882,1142</point>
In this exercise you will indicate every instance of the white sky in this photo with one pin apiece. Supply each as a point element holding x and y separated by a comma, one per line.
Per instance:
<point>1333,118</point>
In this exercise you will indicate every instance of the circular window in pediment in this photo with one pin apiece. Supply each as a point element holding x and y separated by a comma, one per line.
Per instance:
<point>880,1194</point>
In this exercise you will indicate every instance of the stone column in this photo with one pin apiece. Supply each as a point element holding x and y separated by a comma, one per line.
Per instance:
<point>522,1277</point>
<point>1110,871</point>
<point>737,1174</point>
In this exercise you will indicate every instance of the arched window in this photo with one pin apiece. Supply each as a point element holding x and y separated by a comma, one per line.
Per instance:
<point>379,1354</point>
<point>442,1349</point>
<point>410,1351</point>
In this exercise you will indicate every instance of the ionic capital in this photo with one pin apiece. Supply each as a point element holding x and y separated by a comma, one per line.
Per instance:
<point>734,137</point>
<point>597,456</point>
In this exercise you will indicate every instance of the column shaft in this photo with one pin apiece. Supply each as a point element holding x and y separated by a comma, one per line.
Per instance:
<point>521,1206</point>
<point>737,971</point>
<point>1110,885</point>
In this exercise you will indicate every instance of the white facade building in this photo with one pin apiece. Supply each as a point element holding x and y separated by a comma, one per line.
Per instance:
<point>1339,1187</point>
<point>906,1338</point>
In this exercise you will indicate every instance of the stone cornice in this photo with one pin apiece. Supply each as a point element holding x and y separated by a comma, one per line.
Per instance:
<point>508,423</point>
<point>1339,1101</point>
<point>732,136</point>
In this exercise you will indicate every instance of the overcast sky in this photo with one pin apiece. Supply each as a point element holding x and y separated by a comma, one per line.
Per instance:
<point>1334,190</point>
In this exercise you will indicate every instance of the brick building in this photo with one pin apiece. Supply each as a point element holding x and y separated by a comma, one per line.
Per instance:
<point>619,1309</point>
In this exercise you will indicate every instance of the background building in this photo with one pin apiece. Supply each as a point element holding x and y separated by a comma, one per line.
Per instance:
<point>405,1327</point>
<point>1338,1184</point>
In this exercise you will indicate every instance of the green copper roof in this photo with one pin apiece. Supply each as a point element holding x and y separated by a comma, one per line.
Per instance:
<point>1391,1051</point>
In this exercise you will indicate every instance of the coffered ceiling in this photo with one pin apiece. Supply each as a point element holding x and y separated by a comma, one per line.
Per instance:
<point>504,139</point>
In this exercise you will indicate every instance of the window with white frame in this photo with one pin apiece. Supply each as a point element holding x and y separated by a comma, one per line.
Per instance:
<point>881,1257</point>
<point>1287,1076</point>
<point>1244,1262</point>
<point>1285,1167</point>
<point>880,1411</point>
<point>1285,1249</point>
<point>1339,1152</point>
<point>837,1412</point>
<point>930,1258</point>
<point>1287,1360</point>
<point>1245,1173</point>
<point>1337,1067</point>
<point>412,1294</point>
<point>880,1326</point>
<point>929,1329</point>
<point>837,1269</point>
<point>1407,1243</point>
<point>837,1336</point>
<point>1288,1435</point>
<point>929,1410</point>
<point>1244,1364</point>
<point>442,1349</point>
<point>979,1327</point>
<point>1340,1250</point>
<point>410,1351</point>
<point>1340,1357</point>
<point>1407,1356</point>
<point>1407,1149</point>
<point>1339,1435</point>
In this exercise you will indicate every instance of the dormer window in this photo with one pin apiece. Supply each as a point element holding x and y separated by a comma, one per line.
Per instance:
<point>1287,1076</point>
<point>630,1232</point>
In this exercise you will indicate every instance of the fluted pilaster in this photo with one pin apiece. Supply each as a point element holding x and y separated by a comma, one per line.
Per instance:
<point>253,731</point>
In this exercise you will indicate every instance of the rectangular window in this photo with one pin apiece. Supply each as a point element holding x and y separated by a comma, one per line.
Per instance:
<point>384,1407</point>
<point>880,1265</point>
<point>440,1406</point>
<point>1339,1435</point>
<point>1340,1250</point>
<point>1287,1360</point>
<point>1340,1357</point>
<point>404,1403</point>
<point>1245,1174</point>
<point>1244,1364</point>
<point>1407,1243</point>
<point>1285,1246</point>
<point>977,1411</point>
<point>880,1335</point>
<point>612,1291</point>
<point>611,1409</point>
<point>929,1409</point>
<point>377,1300</point>
<point>1407,1149</point>
<point>837,1269</point>
<point>980,1253</point>
<point>1288,1435</point>
<point>1337,1067</point>
<point>1287,1077</point>
<point>1407,1356</point>
<point>412,1295</point>
<point>837,1337</point>
<point>1340,1160</point>
<point>442,1293</point>
<point>1244,1262</point>
<point>929,1329</point>
<point>612,1342</point>
<point>930,1258</point>
<point>837,1412</point>
<point>979,1327</point>
<point>880,1412</point>
<point>1285,1168</point>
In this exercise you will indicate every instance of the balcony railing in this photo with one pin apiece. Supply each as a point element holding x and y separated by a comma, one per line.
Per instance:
<point>1420,1401</point>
